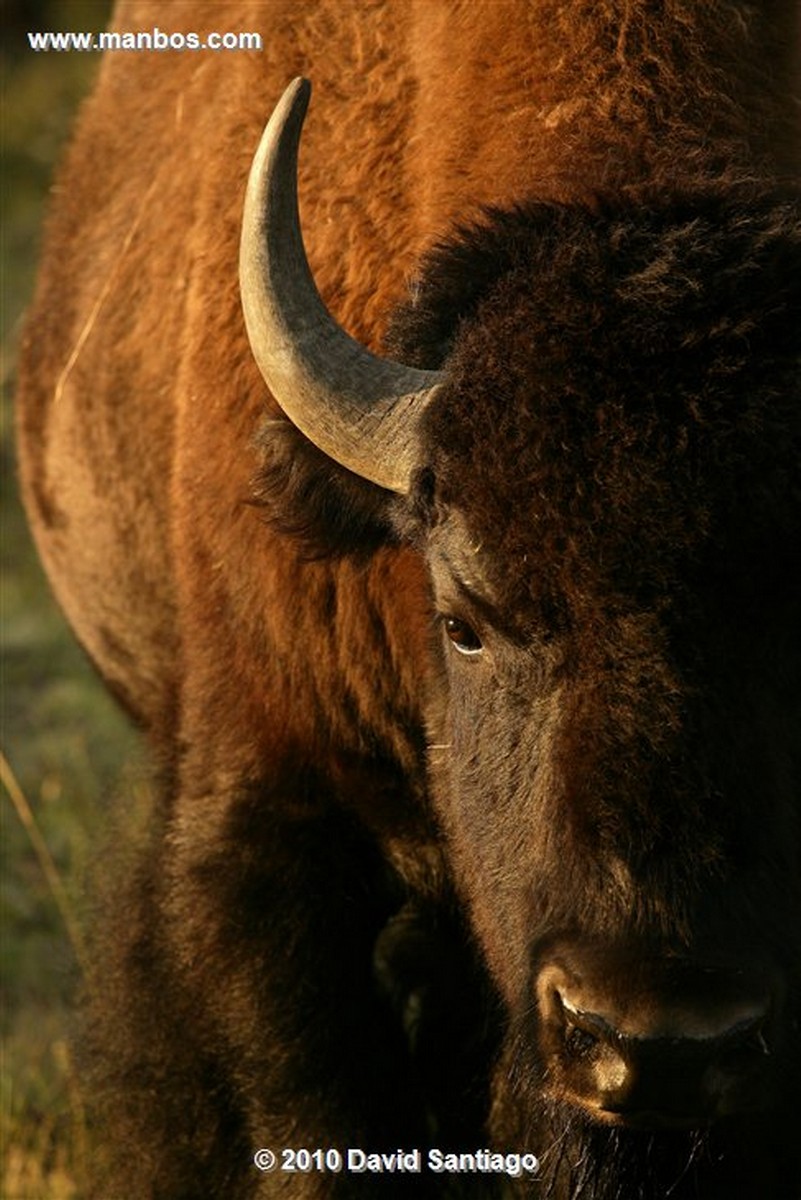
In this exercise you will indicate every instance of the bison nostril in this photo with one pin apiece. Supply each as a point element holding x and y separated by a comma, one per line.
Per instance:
<point>751,1037</point>
<point>584,1033</point>
<point>742,1046</point>
<point>739,1063</point>
<point>580,1043</point>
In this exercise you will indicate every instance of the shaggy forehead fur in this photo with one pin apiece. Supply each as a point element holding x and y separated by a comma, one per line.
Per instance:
<point>623,389</point>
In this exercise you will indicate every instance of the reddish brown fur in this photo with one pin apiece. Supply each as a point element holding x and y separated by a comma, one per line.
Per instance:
<point>284,696</point>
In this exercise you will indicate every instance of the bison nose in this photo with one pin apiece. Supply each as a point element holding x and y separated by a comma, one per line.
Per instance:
<point>661,1081</point>
<point>655,1062</point>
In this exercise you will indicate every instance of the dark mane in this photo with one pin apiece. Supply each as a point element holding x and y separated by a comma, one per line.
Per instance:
<point>742,228</point>
<point>712,276</point>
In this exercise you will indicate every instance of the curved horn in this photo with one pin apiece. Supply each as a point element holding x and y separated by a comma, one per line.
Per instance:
<point>361,410</point>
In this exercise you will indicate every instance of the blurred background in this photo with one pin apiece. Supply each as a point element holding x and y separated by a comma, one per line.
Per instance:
<point>67,754</point>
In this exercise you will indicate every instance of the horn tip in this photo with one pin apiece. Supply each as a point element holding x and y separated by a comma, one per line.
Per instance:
<point>299,90</point>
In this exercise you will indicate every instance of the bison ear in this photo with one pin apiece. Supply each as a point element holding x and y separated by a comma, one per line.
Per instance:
<point>329,510</point>
<point>414,516</point>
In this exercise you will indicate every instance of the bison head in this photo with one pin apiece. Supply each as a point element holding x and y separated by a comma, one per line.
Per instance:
<point>597,455</point>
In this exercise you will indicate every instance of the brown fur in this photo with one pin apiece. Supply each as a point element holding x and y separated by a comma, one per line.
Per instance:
<point>283,657</point>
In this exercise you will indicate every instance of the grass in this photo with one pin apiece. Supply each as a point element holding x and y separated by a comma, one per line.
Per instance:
<point>67,751</point>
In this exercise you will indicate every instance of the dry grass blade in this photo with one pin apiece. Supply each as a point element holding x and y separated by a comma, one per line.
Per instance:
<point>45,859</point>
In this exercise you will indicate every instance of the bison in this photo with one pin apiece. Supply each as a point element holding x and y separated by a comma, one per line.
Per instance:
<point>467,641</point>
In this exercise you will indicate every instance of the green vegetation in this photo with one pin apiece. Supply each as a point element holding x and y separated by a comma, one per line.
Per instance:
<point>67,753</point>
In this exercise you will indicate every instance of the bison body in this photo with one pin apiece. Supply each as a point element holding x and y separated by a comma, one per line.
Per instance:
<point>480,749</point>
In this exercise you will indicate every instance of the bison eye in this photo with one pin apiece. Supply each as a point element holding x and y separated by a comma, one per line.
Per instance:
<point>464,638</point>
